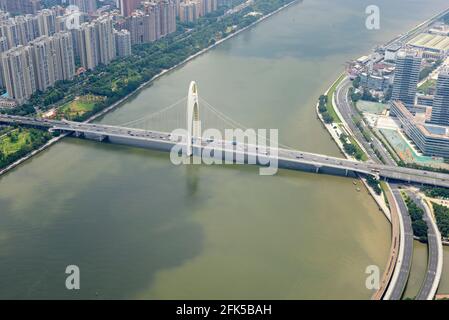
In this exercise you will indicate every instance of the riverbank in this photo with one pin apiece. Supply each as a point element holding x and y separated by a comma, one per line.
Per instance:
<point>144,85</point>
<point>394,260</point>
<point>31,154</point>
<point>330,93</point>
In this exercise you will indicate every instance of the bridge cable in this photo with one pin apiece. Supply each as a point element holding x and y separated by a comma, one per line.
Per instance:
<point>152,115</point>
<point>234,122</point>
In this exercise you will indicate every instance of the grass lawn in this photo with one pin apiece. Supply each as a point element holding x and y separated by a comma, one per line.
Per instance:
<point>79,106</point>
<point>14,141</point>
<point>371,107</point>
<point>330,94</point>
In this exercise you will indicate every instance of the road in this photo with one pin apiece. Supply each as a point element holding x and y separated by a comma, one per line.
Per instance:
<point>348,112</point>
<point>435,253</point>
<point>395,246</point>
<point>405,259</point>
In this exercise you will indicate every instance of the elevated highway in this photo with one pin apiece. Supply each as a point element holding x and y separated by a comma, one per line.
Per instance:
<point>404,261</point>
<point>435,253</point>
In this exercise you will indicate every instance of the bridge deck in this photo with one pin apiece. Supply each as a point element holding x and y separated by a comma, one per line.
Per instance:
<point>435,254</point>
<point>127,135</point>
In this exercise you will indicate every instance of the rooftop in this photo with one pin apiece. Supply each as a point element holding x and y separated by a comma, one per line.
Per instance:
<point>430,130</point>
<point>430,41</point>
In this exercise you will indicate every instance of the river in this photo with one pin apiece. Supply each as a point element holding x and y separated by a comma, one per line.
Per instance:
<point>139,227</point>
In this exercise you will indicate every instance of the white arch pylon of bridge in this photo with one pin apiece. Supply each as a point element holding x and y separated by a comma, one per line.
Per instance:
<point>188,116</point>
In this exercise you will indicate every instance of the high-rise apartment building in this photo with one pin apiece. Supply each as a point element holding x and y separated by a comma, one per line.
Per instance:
<point>46,21</point>
<point>18,73</point>
<point>165,11</point>
<point>20,6</point>
<point>143,26</point>
<point>123,43</point>
<point>96,42</point>
<point>408,66</point>
<point>44,64</point>
<point>127,7</point>
<point>155,20</point>
<point>37,66</point>
<point>88,46</point>
<point>106,39</point>
<point>3,48</point>
<point>65,56</point>
<point>21,30</point>
<point>440,109</point>
<point>208,6</point>
<point>190,11</point>
<point>53,59</point>
<point>86,6</point>
<point>27,27</point>
<point>167,16</point>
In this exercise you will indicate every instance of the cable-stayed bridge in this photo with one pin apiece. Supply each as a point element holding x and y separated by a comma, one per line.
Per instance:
<point>155,131</point>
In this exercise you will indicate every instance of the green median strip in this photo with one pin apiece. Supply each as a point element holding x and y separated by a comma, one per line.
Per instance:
<point>359,153</point>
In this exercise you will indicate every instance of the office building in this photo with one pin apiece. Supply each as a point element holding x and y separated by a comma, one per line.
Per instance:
<point>440,108</point>
<point>431,140</point>
<point>408,66</point>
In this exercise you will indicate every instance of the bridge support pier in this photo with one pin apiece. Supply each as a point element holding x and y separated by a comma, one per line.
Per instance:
<point>96,137</point>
